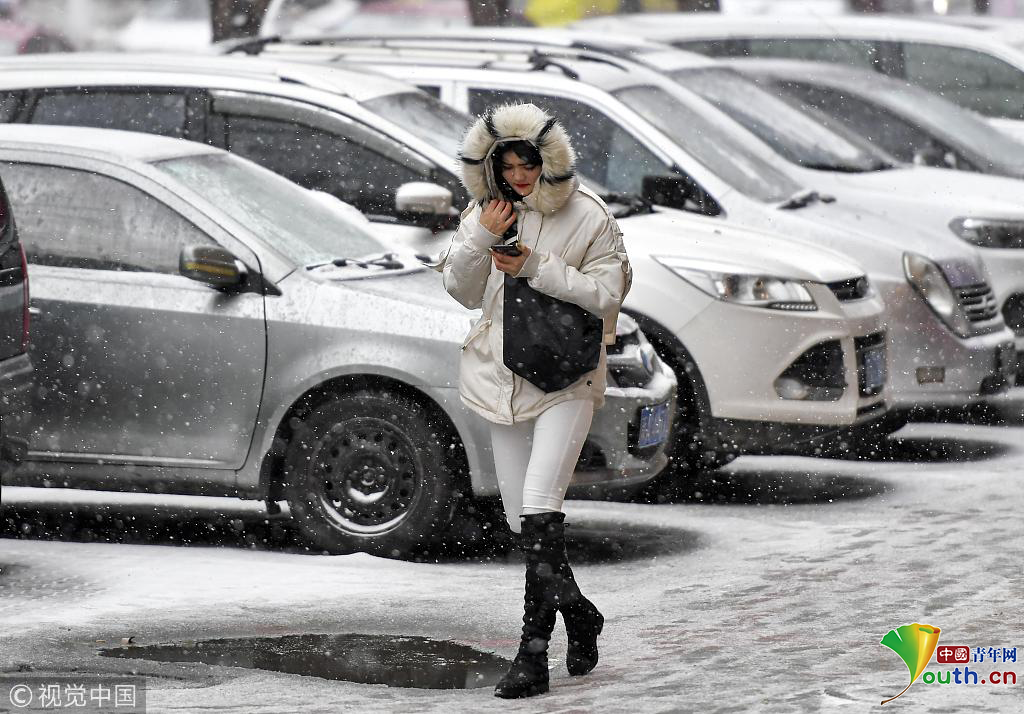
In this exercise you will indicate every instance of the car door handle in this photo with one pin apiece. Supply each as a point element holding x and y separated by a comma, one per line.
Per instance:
<point>35,311</point>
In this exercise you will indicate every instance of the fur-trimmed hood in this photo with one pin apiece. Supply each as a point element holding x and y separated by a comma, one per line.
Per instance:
<point>526,122</point>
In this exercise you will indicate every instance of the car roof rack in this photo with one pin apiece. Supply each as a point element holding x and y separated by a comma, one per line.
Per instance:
<point>530,56</point>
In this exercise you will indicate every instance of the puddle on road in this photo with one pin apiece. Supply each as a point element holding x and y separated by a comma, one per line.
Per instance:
<point>368,659</point>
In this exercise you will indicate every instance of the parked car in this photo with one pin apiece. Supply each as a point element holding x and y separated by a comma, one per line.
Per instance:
<point>985,211</point>
<point>206,326</point>
<point>308,123</point>
<point>911,124</point>
<point>668,144</point>
<point>967,66</point>
<point>15,364</point>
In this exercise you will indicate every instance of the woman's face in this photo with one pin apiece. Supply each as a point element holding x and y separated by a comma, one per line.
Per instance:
<point>520,175</point>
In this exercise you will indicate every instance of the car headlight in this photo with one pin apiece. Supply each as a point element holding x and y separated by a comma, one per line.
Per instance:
<point>931,283</point>
<point>990,232</point>
<point>742,286</point>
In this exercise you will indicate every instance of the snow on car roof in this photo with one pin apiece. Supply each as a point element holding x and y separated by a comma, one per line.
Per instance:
<point>87,141</point>
<point>359,85</point>
<point>663,26</point>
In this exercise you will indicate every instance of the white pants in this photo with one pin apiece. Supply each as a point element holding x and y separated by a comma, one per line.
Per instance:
<point>535,459</point>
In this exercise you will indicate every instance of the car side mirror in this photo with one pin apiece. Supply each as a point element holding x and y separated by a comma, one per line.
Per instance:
<point>677,192</point>
<point>423,198</point>
<point>210,264</point>
<point>425,204</point>
<point>935,156</point>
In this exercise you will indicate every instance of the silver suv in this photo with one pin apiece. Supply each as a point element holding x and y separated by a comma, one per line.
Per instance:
<point>205,326</point>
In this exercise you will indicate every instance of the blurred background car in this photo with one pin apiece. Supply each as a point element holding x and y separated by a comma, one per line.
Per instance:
<point>178,25</point>
<point>966,66</point>
<point>911,124</point>
<point>15,364</point>
<point>20,36</point>
<point>205,326</point>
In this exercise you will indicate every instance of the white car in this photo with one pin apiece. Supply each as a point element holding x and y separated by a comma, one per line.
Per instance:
<point>967,66</point>
<point>947,348</point>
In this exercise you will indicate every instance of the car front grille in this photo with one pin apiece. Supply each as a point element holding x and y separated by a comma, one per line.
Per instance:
<point>978,302</point>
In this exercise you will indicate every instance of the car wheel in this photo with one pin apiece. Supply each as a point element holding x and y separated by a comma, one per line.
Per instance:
<point>366,471</point>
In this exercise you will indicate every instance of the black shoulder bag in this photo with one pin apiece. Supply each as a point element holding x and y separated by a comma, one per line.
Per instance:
<point>548,342</point>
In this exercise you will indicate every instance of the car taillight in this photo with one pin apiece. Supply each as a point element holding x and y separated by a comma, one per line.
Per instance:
<point>25,319</point>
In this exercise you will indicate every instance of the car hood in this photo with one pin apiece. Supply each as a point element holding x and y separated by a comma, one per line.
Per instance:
<point>678,233</point>
<point>954,193</point>
<point>413,303</point>
<point>879,242</point>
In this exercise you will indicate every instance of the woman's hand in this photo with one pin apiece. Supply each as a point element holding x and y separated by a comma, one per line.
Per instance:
<point>497,217</point>
<point>510,264</point>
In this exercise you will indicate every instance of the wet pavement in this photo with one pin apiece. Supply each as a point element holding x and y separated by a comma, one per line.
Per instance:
<point>769,595</point>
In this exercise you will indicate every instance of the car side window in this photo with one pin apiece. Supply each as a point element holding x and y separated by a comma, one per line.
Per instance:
<point>882,127</point>
<point>322,161</point>
<point>70,218</point>
<point>9,105</point>
<point>154,112</point>
<point>605,152</point>
<point>858,53</point>
<point>972,79</point>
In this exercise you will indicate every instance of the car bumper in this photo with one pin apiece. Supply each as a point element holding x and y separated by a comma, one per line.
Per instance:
<point>741,352</point>
<point>747,437</point>
<point>1006,272</point>
<point>611,459</point>
<point>930,367</point>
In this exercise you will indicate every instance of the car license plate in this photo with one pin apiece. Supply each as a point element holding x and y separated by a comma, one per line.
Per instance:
<point>874,368</point>
<point>653,425</point>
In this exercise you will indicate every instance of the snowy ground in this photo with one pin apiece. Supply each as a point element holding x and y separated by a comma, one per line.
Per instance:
<point>771,599</point>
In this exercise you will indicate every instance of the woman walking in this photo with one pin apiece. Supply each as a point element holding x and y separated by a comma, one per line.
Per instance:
<point>543,258</point>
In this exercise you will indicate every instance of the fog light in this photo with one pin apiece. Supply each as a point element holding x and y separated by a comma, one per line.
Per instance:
<point>931,375</point>
<point>789,388</point>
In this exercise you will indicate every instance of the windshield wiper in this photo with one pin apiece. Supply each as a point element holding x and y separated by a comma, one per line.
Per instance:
<point>631,203</point>
<point>804,197</point>
<point>386,261</point>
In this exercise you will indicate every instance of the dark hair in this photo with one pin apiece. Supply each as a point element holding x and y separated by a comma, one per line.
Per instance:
<point>525,151</point>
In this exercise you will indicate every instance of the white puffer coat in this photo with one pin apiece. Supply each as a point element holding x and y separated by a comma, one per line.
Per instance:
<point>577,256</point>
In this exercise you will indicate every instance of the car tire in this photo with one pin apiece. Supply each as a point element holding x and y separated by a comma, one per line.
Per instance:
<point>366,471</point>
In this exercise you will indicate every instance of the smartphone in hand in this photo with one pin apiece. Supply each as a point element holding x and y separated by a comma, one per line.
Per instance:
<point>507,249</point>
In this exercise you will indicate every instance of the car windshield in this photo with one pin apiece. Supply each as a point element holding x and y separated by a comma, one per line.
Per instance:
<point>425,117</point>
<point>965,126</point>
<point>795,135</point>
<point>710,144</point>
<point>300,224</point>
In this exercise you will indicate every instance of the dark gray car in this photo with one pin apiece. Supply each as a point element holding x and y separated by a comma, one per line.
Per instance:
<point>206,326</point>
